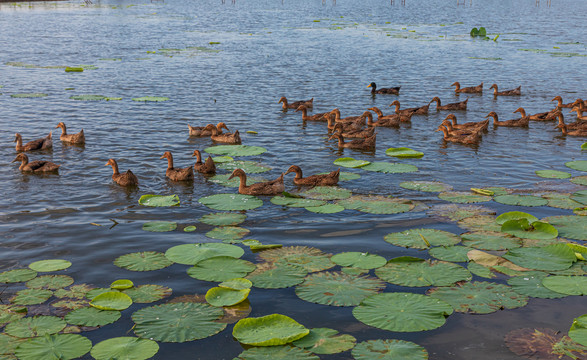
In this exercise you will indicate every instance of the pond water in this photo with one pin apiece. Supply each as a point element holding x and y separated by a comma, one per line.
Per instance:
<point>232,62</point>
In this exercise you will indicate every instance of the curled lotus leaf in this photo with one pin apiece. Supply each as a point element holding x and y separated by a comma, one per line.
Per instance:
<point>543,344</point>
<point>121,284</point>
<point>270,330</point>
<point>422,238</point>
<point>51,282</point>
<point>326,341</point>
<point>159,200</point>
<point>520,200</point>
<point>17,275</point>
<point>361,260</point>
<point>530,284</point>
<point>143,294</point>
<point>50,265</point>
<point>456,253</point>
<point>569,226</point>
<point>231,202</point>
<point>569,285</point>
<point>223,219</point>
<point>349,162</point>
<point>422,273</point>
<point>390,168</point>
<point>553,174</point>
<point>35,326</point>
<point>160,226</point>
<point>190,254</point>
<point>272,276</point>
<point>403,152</point>
<point>126,347</point>
<point>111,300</point>
<point>389,349</point>
<point>235,150</point>
<point>143,261</point>
<point>227,233</point>
<point>546,258</point>
<point>250,167</point>
<point>220,268</point>
<point>426,186</point>
<point>463,197</point>
<point>327,193</point>
<point>479,297</point>
<point>218,296</point>
<point>67,346</point>
<point>89,316</point>
<point>284,352</point>
<point>377,204</point>
<point>515,215</point>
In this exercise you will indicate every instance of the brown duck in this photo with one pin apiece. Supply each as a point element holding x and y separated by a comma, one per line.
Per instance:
<point>200,130</point>
<point>177,174</point>
<point>472,89</point>
<point>296,104</point>
<point>394,117</point>
<point>544,116</point>
<point>422,110</point>
<point>272,187</point>
<point>571,126</point>
<point>514,92</point>
<point>479,124</point>
<point>353,133</point>
<point>37,166</point>
<point>365,144</point>
<point>460,132</point>
<point>346,126</point>
<point>560,104</point>
<point>125,179</point>
<point>579,110</point>
<point>522,122</point>
<point>350,119</point>
<point>78,138</point>
<point>329,179</point>
<point>315,117</point>
<point>454,106</point>
<point>465,139</point>
<point>204,168</point>
<point>39,144</point>
<point>576,132</point>
<point>391,91</point>
<point>386,121</point>
<point>227,138</point>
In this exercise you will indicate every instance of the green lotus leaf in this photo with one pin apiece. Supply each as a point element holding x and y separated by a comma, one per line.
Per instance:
<point>218,296</point>
<point>251,242</point>
<point>296,202</point>
<point>359,260</point>
<point>480,223</point>
<point>353,271</point>
<point>404,312</point>
<point>160,226</point>
<point>311,259</point>
<point>326,209</point>
<point>562,201</point>
<point>159,200</point>
<point>580,180</point>
<point>51,282</point>
<point>489,240</point>
<point>223,219</point>
<point>143,261</point>
<point>250,167</point>
<point>128,348</point>
<point>377,204</point>
<point>327,193</point>
<point>111,300</point>
<point>520,200</point>
<point>122,284</point>
<point>8,345</point>
<point>222,159</point>
<point>582,211</point>
<point>326,341</point>
<point>227,233</point>
<point>578,330</point>
<point>553,174</point>
<point>235,150</point>
<point>270,330</point>
<point>547,258</point>
<point>147,293</point>
<point>9,313</point>
<point>190,254</point>
<point>236,284</point>
<point>337,289</point>
<point>178,322</point>
<point>580,165</point>
<point>284,352</point>
<point>389,349</point>
<point>426,186</point>
<point>456,253</point>
<point>220,268</point>
<point>345,176</point>
<point>456,212</point>
<point>522,228</point>
<point>31,296</point>
<point>530,284</point>
<point>18,275</point>
<point>480,270</point>
<point>515,215</point>
<point>463,197</point>
<point>89,316</point>
<point>271,276</point>
<point>403,152</point>
<point>580,197</point>
<point>151,98</point>
<point>422,273</point>
<point>414,238</point>
<point>88,97</point>
<point>231,202</point>
<point>571,227</point>
<point>29,95</point>
<point>74,292</point>
<point>349,162</point>
<point>569,285</point>
<point>479,297</point>
<point>390,168</point>
<point>35,326</point>
<point>222,179</point>
<point>54,347</point>
<point>50,265</point>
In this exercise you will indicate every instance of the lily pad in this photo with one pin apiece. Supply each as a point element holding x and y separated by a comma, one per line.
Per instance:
<point>422,238</point>
<point>296,202</point>
<point>111,300</point>
<point>191,254</point>
<point>463,197</point>
<point>178,322</point>
<point>569,285</point>
<point>227,233</point>
<point>418,272</point>
<point>9,313</point>
<point>89,316</point>
<point>562,201</point>
<point>480,223</point>
<point>578,330</point>
<point>270,330</point>
<point>403,152</point>
<point>402,312</point>
<point>377,204</point>
<point>489,240</point>
<point>580,180</point>
<point>222,159</point>
<point>515,215</point>
<point>129,348</point>
<point>580,197</point>
<point>50,265</point>
<point>520,200</point>
<point>35,326</point>
<point>456,212</point>
<point>547,258</point>
<point>54,347</point>
<point>74,292</point>
<point>223,219</point>
<point>390,168</point>
<point>231,202</point>
<point>571,227</point>
<point>143,261</point>
<point>220,268</point>
<point>456,253</point>
<point>426,186</point>
<point>159,200</point>
<point>327,193</point>
<point>522,228</point>
<point>88,97</point>
<point>236,284</point>
<point>311,259</point>
<point>479,297</point>
<point>151,98</point>
<point>235,150</point>
<point>250,167</point>
<point>553,174</point>
<point>389,349</point>
<point>160,226</point>
<point>480,270</point>
<point>337,289</point>
<point>29,95</point>
<point>271,276</point>
<point>284,352</point>
<point>345,176</point>
<point>359,259</point>
<point>349,162</point>
<point>326,209</point>
<point>51,282</point>
<point>580,165</point>
<point>147,293</point>
<point>17,275</point>
<point>218,296</point>
<point>31,296</point>
<point>530,284</point>
<point>326,341</point>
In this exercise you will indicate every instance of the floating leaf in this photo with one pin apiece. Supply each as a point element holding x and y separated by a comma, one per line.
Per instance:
<point>189,228</point>
<point>236,284</point>
<point>220,268</point>
<point>54,347</point>
<point>403,152</point>
<point>227,233</point>
<point>514,215</point>
<point>480,223</point>
<point>422,273</point>
<point>270,330</point>
<point>8,344</point>
<point>390,168</point>
<point>569,285</point>
<point>147,293</point>
<point>129,348</point>
<point>520,200</point>
<point>285,352</point>
<point>345,176</point>
<point>74,69</point>
<point>530,284</point>
<point>326,209</point>
<point>111,300</point>
<point>580,197</point>
<point>250,167</point>
<point>231,202</point>
<point>543,344</point>
<point>296,202</point>
<point>337,289</point>
<point>580,165</point>
<point>271,276</point>
<point>414,238</point>
<point>311,259</point>
<point>479,297</point>
<point>547,258</point>
<point>403,312</point>
<point>459,212</point>
<point>235,150</point>
<point>553,174</point>
<point>143,261</point>
<point>9,313</point>
<point>377,204</point>
<point>223,219</point>
<point>326,341</point>
<point>88,97</point>
<point>18,275</point>
<point>349,162</point>
<point>51,282</point>
<point>480,270</point>
<point>489,240</point>
<point>359,259</point>
<point>29,95</point>
<point>151,98</point>
<point>455,253</point>
<point>74,292</point>
<point>159,200</point>
<point>190,254</point>
<point>178,322</point>
<point>426,186</point>
<point>218,296</point>
<point>223,179</point>
<point>389,349</point>
<point>524,229</point>
<point>222,159</point>
<point>50,265</point>
<point>578,331</point>
<point>31,296</point>
<point>89,316</point>
<point>327,193</point>
<point>463,197</point>
<point>562,201</point>
<point>35,326</point>
<point>572,227</point>
<point>160,226</point>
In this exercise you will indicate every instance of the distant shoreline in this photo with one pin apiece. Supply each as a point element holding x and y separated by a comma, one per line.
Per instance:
<point>24,1</point>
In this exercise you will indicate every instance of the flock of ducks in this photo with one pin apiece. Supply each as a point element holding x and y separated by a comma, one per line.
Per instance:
<point>361,129</point>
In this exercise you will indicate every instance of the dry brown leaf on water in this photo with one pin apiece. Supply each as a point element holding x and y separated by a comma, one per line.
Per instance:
<point>543,344</point>
<point>489,260</point>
